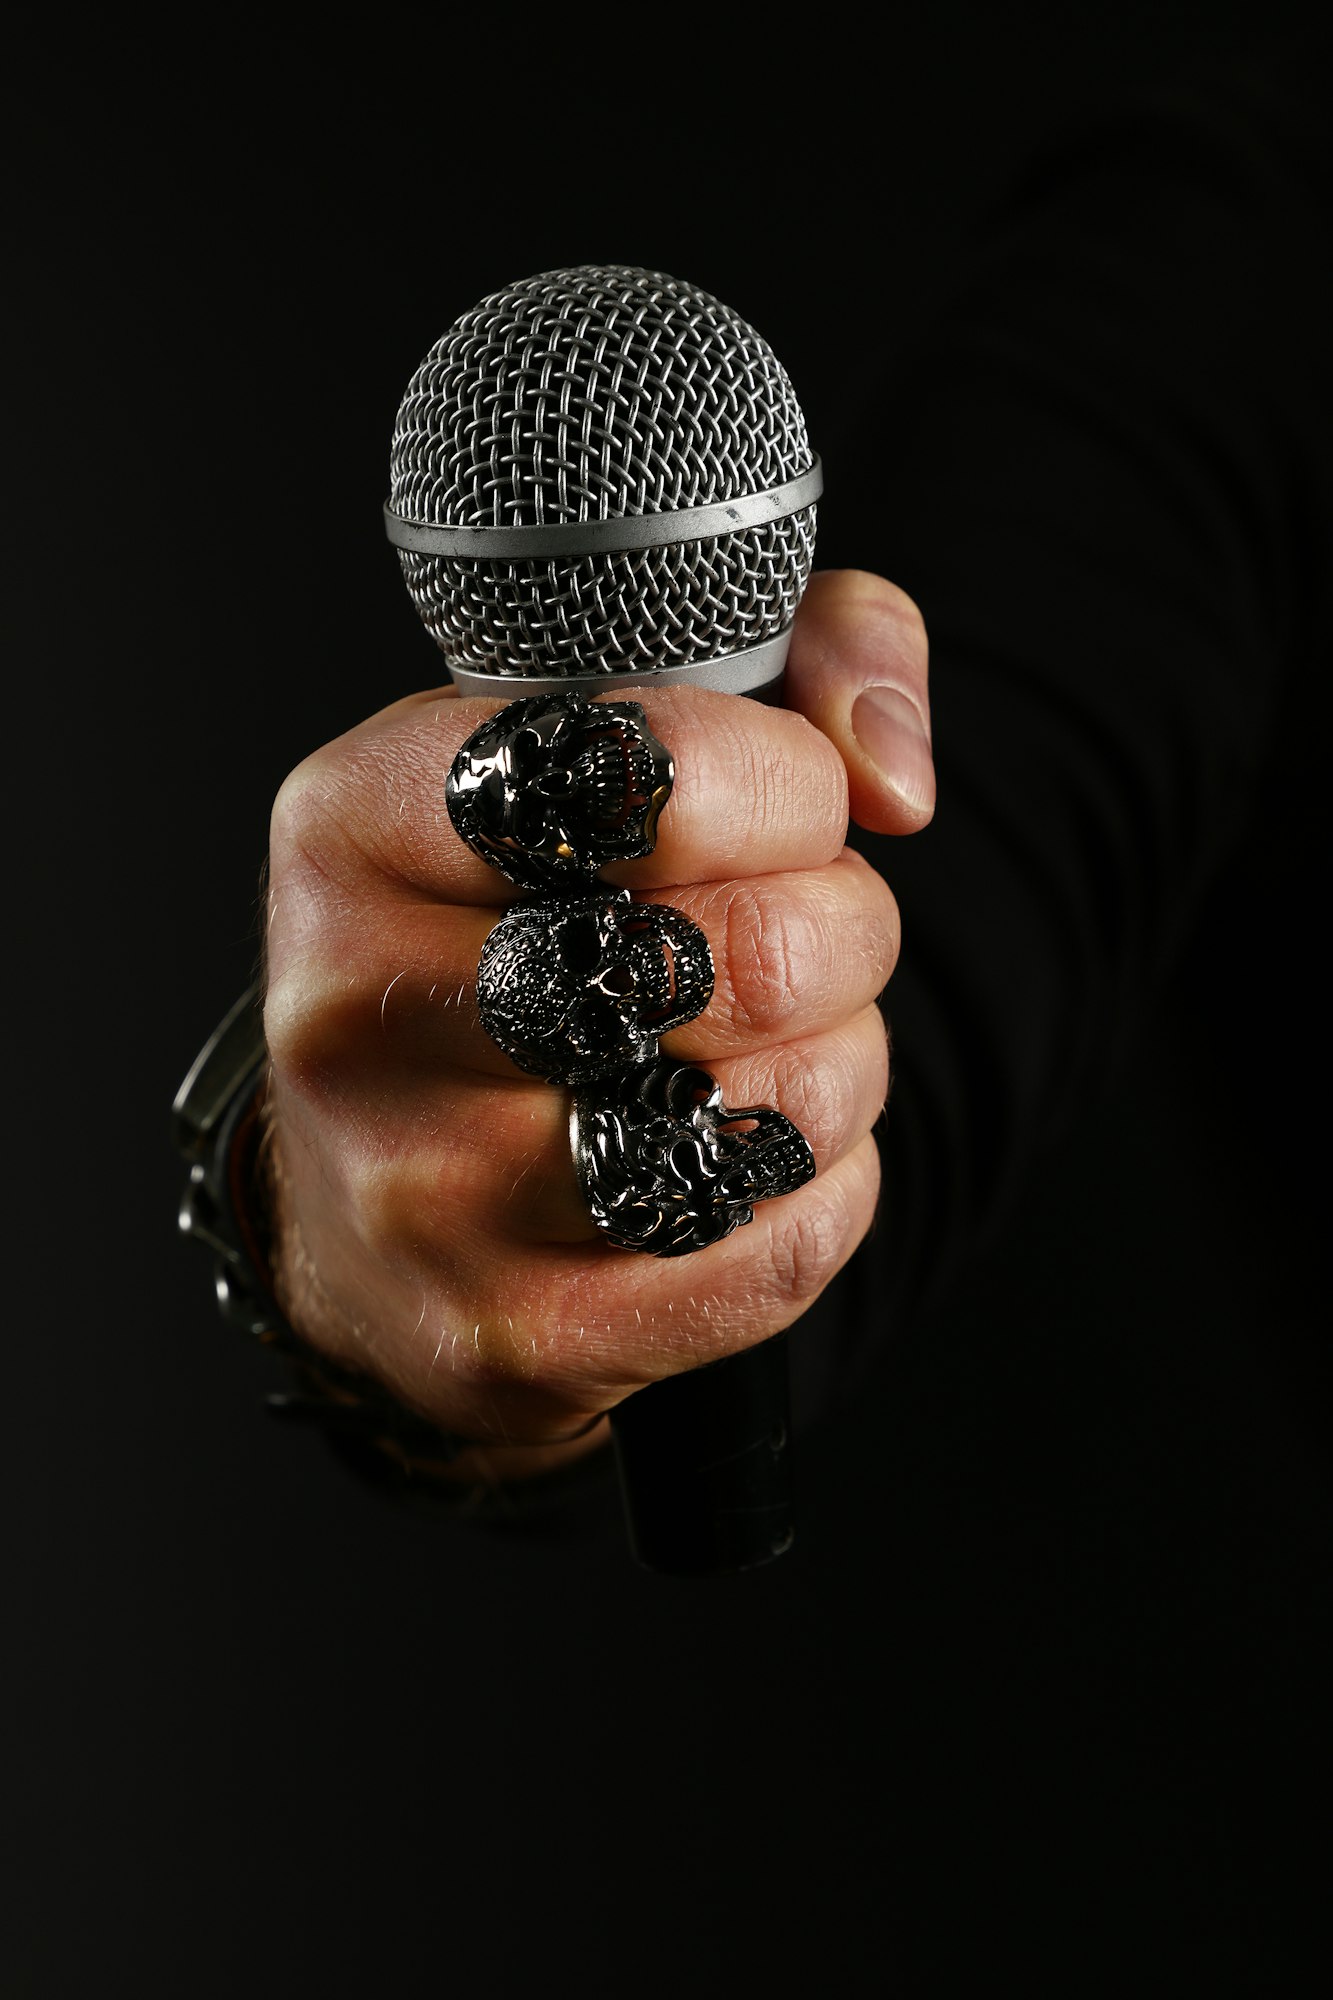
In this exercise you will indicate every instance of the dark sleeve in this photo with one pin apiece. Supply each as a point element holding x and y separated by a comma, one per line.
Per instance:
<point>1109,460</point>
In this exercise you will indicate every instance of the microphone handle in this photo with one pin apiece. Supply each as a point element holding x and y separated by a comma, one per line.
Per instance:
<point>705,1465</point>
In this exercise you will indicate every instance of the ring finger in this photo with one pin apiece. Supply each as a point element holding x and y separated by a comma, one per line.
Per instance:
<point>506,1164</point>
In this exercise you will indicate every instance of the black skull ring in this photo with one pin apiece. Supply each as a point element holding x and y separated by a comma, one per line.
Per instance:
<point>554,787</point>
<point>578,984</point>
<point>666,1167</point>
<point>577,989</point>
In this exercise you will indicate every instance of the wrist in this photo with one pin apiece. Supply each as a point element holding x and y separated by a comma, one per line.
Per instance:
<point>219,1130</point>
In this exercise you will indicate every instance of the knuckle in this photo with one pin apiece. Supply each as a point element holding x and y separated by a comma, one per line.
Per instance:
<point>881,936</point>
<point>759,950</point>
<point>302,819</point>
<point>385,1206</point>
<point>413,1219</point>
<point>312,1022</point>
<point>285,1025</point>
<point>816,1096</point>
<point>815,781</point>
<point>870,919</point>
<point>838,1097</point>
<point>785,774</point>
<point>814,1232</point>
<point>340,811</point>
<point>808,1244</point>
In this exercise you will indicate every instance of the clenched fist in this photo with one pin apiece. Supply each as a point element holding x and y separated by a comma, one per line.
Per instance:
<point>429,1229</point>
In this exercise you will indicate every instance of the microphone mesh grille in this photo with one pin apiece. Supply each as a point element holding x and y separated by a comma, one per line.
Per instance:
<point>589,394</point>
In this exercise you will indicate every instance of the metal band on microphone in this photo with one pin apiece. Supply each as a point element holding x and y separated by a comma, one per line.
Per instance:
<point>734,673</point>
<point>609,537</point>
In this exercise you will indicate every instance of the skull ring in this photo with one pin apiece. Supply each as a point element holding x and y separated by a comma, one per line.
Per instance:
<point>578,985</point>
<point>553,787</point>
<point>665,1166</point>
<point>577,988</point>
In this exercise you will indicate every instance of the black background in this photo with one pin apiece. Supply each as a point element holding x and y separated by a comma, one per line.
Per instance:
<point>1042,1689</point>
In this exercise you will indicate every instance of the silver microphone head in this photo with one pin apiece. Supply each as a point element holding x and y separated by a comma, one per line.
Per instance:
<point>598,474</point>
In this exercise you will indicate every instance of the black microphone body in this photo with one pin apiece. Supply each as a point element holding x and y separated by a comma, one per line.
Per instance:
<point>601,483</point>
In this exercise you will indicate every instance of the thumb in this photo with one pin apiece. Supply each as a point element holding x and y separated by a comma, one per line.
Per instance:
<point>857,670</point>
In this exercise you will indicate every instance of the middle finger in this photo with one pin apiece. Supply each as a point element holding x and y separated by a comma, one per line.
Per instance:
<point>793,954</point>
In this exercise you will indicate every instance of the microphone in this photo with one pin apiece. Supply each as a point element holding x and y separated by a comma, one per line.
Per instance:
<point>601,483</point>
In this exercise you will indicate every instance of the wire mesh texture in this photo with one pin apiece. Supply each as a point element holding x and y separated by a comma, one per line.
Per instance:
<point>592,393</point>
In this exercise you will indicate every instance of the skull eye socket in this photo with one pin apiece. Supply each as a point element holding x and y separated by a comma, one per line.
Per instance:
<point>555,784</point>
<point>524,750</point>
<point>581,944</point>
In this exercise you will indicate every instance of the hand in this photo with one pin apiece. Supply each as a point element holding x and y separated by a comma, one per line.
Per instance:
<point>429,1230</point>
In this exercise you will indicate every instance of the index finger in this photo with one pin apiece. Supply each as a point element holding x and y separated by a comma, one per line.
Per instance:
<point>757,790</point>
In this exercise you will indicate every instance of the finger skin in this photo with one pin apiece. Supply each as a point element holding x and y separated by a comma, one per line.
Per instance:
<point>410,1160</point>
<point>791,954</point>
<point>428,1227</point>
<point>532,1345</point>
<point>393,986</point>
<point>756,789</point>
